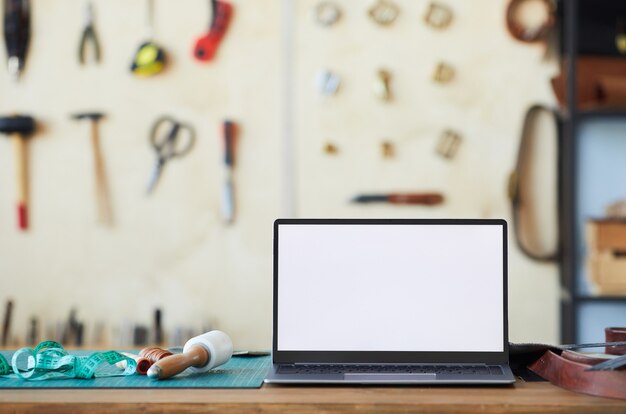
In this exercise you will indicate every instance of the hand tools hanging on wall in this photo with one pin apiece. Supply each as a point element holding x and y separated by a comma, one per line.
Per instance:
<point>207,45</point>
<point>32,337</point>
<point>326,13</point>
<point>387,149</point>
<point>19,127</point>
<point>426,199</point>
<point>89,37</point>
<point>228,196</point>
<point>6,323</point>
<point>74,330</point>
<point>383,13</point>
<point>158,327</point>
<point>448,144</point>
<point>381,87</point>
<point>150,57</point>
<point>103,199</point>
<point>530,34</point>
<point>438,15</point>
<point>328,82</point>
<point>543,32</point>
<point>16,34</point>
<point>330,148</point>
<point>166,141</point>
<point>443,73</point>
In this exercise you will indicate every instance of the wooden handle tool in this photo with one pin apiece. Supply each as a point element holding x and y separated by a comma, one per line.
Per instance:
<point>200,354</point>
<point>21,165</point>
<point>18,128</point>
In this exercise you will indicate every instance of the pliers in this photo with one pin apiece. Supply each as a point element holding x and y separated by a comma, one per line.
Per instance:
<point>89,34</point>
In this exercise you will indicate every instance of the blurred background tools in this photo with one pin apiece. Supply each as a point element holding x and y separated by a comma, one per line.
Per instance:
<point>103,198</point>
<point>381,87</point>
<point>16,34</point>
<point>6,323</point>
<point>200,354</point>
<point>207,45</point>
<point>228,196</point>
<point>73,333</point>
<point>165,138</point>
<point>150,57</point>
<point>19,127</point>
<point>427,199</point>
<point>88,38</point>
<point>158,327</point>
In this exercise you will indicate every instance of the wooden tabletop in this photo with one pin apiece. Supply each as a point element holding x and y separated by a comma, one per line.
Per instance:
<point>521,398</point>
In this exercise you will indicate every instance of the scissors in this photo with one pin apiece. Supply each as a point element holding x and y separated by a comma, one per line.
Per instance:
<point>166,141</point>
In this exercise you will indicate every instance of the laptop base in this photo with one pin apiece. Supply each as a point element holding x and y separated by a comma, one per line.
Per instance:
<point>277,375</point>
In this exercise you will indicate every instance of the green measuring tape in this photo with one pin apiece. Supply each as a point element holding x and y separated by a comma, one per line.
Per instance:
<point>49,360</point>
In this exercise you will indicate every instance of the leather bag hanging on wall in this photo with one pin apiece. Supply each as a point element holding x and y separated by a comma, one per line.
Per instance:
<point>526,231</point>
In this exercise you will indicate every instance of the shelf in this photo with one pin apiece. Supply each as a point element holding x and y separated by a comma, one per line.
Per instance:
<point>601,113</point>
<point>601,299</point>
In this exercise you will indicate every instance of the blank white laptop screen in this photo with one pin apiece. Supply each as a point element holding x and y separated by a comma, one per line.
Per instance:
<point>430,288</point>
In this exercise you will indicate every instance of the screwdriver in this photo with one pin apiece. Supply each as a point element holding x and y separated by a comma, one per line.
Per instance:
<point>228,196</point>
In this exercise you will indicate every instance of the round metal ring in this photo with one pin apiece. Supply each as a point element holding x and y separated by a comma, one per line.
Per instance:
<point>327,13</point>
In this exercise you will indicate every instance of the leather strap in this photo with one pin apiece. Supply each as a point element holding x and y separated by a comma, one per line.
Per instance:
<point>573,370</point>
<point>614,335</point>
<point>574,376</point>
<point>516,179</point>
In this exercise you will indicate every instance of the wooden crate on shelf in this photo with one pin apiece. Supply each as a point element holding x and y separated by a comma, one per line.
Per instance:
<point>606,260</point>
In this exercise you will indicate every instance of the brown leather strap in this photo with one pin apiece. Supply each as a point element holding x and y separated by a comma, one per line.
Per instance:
<point>615,334</point>
<point>516,182</point>
<point>574,377</point>
<point>589,359</point>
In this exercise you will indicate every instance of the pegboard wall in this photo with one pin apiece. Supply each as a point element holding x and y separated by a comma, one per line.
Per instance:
<point>171,249</point>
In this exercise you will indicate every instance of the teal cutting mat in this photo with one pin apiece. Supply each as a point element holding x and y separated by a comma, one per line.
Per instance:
<point>239,372</point>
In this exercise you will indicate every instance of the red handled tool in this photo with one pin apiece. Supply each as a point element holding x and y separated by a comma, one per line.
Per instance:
<point>207,45</point>
<point>19,127</point>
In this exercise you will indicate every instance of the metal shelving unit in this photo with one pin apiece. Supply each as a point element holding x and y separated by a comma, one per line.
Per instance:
<point>572,299</point>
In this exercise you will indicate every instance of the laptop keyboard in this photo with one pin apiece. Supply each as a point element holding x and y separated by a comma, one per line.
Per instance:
<point>391,369</point>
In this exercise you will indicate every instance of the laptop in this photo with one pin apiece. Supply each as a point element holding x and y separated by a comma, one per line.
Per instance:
<point>390,301</point>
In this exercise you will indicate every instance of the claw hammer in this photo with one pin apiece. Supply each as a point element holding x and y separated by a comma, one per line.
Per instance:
<point>103,200</point>
<point>19,127</point>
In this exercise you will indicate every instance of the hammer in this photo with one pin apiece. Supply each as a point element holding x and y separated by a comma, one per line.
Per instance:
<point>103,202</point>
<point>18,127</point>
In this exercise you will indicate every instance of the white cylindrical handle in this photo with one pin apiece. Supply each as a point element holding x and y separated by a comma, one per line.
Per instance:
<point>217,344</point>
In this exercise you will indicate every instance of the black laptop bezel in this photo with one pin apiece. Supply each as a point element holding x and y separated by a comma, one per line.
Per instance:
<point>292,357</point>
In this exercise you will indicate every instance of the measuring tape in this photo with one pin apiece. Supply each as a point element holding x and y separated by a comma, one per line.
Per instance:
<point>49,360</point>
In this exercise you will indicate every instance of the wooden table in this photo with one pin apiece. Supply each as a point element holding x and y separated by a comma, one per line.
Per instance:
<point>520,398</point>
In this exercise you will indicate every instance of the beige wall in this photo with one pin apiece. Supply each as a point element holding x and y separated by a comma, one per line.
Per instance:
<point>171,249</point>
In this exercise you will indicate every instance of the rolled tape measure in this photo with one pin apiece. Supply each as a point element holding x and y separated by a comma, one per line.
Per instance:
<point>5,368</point>
<point>148,60</point>
<point>49,360</point>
